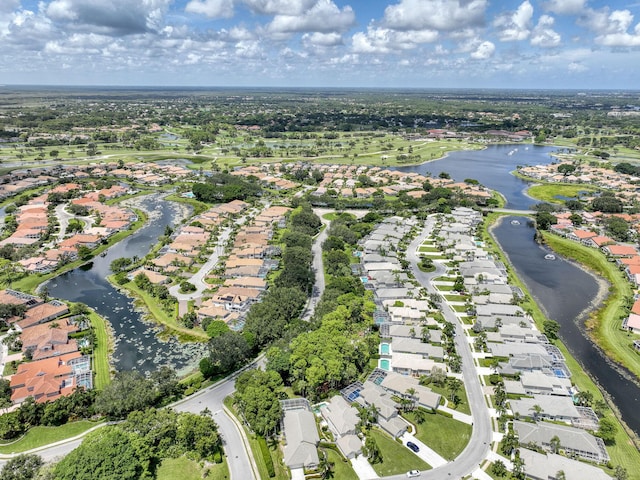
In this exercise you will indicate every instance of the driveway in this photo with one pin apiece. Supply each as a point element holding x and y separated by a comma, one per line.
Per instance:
<point>425,453</point>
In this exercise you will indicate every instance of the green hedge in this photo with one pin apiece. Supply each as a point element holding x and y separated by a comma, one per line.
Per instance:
<point>266,456</point>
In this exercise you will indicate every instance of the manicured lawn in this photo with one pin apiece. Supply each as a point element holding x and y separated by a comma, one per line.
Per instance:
<point>39,436</point>
<point>606,321</point>
<point>459,308</point>
<point>463,406</point>
<point>428,249</point>
<point>457,298</point>
<point>444,435</point>
<point>100,352</point>
<point>342,469</point>
<point>396,458</point>
<point>549,191</point>
<point>445,288</point>
<point>182,468</point>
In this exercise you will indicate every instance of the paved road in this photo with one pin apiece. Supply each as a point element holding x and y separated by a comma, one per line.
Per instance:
<point>240,462</point>
<point>481,436</point>
<point>318,269</point>
<point>64,217</point>
<point>198,278</point>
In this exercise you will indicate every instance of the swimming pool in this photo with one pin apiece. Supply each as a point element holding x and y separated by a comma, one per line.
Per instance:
<point>385,349</point>
<point>384,364</point>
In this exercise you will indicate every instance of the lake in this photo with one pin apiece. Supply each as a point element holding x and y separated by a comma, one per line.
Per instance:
<point>491,167</point>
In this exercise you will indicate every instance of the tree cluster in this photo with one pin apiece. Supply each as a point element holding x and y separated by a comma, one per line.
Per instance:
<point>133,449</point>
<point>130,391</point>
<point>78,405</point>
<point>223,187</point>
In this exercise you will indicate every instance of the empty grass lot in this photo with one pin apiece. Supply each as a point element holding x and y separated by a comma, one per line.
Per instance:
<point>444,435</point>
<point>396,458</point>
<point>185,469</point>
<point>100,352</point>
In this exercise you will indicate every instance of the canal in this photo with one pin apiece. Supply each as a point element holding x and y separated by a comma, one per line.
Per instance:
<point>137,346</point>
<point>565,292</point>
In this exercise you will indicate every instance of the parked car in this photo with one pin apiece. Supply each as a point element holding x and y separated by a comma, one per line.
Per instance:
<point>413,446</point>
<point>413,473</point>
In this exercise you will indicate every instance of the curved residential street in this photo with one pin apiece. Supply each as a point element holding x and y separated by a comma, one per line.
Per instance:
<point>481,437</point>
<point>198,278</point>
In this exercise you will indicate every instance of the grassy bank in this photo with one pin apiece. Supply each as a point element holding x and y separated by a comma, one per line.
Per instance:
<point>159,315</point>
<point>40,436</point>
<point>624,452</point>
<point>31,282</point>
<point>549,192</point>
<point>604,324</point>
<point>101,349</point>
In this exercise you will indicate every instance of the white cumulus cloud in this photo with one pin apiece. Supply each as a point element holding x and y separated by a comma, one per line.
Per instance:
<point>385,40</point>
<point>483,51</point>
<point>211,8</point>
<point>565,7</point>
<point>544,35</point>
<point>279,7</point>
<point>117,17</point>
<point>435,14</point>
<point>324,17</point>
<point>317,39</point>
<point>612,28</point>
<point>514,26</point>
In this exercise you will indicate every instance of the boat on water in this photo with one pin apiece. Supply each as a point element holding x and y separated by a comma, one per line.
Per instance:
<point>549,256</point>
<point>515,222</point>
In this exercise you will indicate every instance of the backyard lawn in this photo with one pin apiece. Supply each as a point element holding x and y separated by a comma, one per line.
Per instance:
<point>185,469</point>
<point>341,468</point>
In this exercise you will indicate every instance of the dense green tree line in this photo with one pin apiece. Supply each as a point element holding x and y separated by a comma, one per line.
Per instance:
<point>223,187</point>
<point>133,449</point>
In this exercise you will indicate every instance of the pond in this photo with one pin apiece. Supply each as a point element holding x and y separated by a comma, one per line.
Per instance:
<point>137,346</point>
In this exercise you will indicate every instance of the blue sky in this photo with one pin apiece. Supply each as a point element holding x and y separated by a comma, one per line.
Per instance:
<point>577,44</point>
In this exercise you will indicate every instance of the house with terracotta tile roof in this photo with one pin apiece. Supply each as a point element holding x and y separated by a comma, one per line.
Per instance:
<point>49,340</point>
<point>600,241</point>
<point>620,250</point>
<point>581,235</point>
<point>632,323</point>
<point>49,379</point>
<point>154,277</point>
<point>246,282</point>
<point>208,310</point>
<point>14,297</point>
<point>42,313</point>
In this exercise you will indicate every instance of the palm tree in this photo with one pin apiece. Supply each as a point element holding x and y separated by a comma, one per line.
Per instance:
<point>412,399</point>
<point>555,444</point>
<point>325,466</point>
<point>537,410</point>
<point>454,385</point>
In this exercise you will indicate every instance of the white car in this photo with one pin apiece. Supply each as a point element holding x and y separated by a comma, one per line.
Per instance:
<point>413,473</point>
